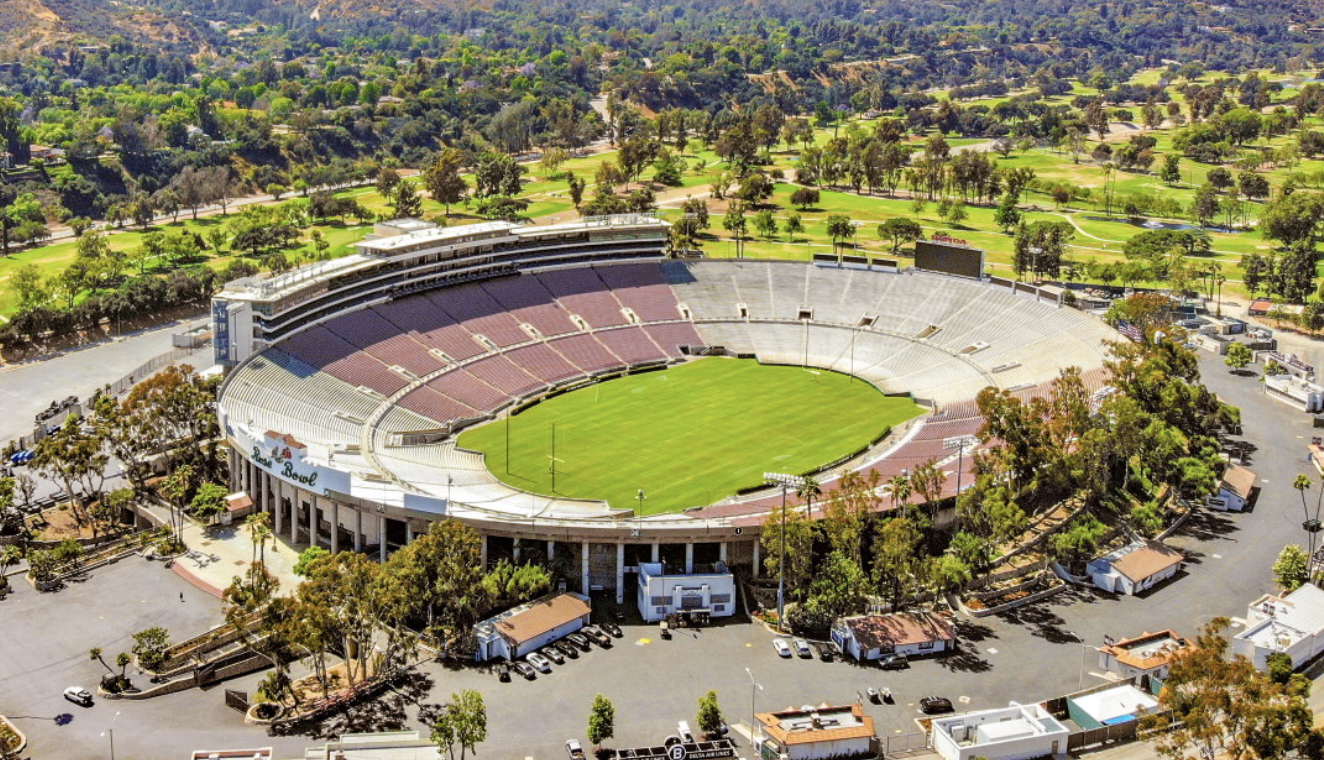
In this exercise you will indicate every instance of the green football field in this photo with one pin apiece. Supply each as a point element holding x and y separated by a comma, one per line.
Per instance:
<point>688,435</point>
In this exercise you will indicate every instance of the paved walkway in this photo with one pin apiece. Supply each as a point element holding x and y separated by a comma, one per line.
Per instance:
<point>218,554</point>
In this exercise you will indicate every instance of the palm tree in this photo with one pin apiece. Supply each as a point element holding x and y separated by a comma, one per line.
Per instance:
<point>808,490</point>
<point>259,532</point>
<point>1311,524</point>
<point>901,489</point>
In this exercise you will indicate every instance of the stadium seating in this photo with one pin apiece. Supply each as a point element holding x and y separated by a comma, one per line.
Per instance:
<point>417,363</point>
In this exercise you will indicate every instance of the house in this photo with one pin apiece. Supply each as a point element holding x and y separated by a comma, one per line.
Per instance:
<point>1135,567</point>
<point>1292,624</point>
<point>1234,490</point>
<point>1149,654</point>
<point>868,637</point>
<point>516,632</point>
<point>709,589</point>
<point>814,733</point>
<point>1017,732</point>
<point>1110,706</point>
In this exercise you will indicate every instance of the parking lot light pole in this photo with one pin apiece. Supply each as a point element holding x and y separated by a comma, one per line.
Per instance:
<point>785,481</point>
<point>754,688</point>
<point>110,732</point>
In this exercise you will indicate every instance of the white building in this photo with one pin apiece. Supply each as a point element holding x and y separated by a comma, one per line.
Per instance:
<point>817,733</point>
<point>1122,703</point>
<point>1296,391</point>
<point>1135,567</point>
<point>868,637</point>
<point>1018,732</point>
<point>1149,654</point>
<point>1234,490</point>
<point>516,632</point>
<point>1292,624</point>
<point>709,588</point>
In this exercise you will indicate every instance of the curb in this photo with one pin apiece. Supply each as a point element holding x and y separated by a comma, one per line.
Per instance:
<point>22,738</point>
<point>195,581</point>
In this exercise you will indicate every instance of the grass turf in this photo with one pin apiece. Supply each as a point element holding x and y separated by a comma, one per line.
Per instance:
<point>689,435</point>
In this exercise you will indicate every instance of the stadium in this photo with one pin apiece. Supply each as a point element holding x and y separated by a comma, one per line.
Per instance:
<point>670,386</point>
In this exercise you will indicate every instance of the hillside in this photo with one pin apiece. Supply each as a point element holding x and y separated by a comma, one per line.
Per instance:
<point>28,26</point>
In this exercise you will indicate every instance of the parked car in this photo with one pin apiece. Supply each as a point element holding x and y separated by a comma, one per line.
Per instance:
<point>551,653</point>
<point>932,705</point>
<point>827,652</point>
<point>579,640</point>
<point>612,629</point>
<point>538,661</point>
<point>873,693</point>
<point>782,647</point>
<point>78,695</point>
<point>893,662</point>
<point>802,648</point>
<point>596,635</point>
<point>567,649</point>
<point>524,669</point>
<point>573,747</point>
<point>503,672</point>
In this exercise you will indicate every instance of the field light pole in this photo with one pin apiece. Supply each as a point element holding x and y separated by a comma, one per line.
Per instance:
<point>785,481</point>
<point>959,442</point>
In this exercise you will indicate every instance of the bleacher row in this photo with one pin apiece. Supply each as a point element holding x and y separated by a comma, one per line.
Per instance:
<point>451,356</point>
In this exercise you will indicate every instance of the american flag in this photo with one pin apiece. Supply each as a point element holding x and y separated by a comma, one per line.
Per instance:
<point>1130,331</point>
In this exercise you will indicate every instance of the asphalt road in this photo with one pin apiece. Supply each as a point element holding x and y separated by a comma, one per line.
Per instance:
<point>1037,653</point>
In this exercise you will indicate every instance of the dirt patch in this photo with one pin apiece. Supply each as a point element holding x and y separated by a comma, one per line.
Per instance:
<point>59,524</point>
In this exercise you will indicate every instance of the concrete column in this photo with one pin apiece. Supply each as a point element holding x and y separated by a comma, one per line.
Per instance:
<point>294,511</point>
<point>272,503</point>
<point>335,527</point>
<point>721,551</point>
<point>757,568</point>
<point>620,573</point>
<point>358,529</point>
<point>409,532</point>
<point>381,537</point>
<point>689,558</point>
<point>584,563</point>
<point>515,550</point>
<point>657,552</point>
<point>482,551</point>
<point>551,550</point>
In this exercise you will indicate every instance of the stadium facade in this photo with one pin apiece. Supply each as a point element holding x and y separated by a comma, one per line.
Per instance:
<point>349,379</point>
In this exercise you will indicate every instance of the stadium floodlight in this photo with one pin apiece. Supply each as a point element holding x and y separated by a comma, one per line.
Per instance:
<point>959,442</point>
<point>786,482</point>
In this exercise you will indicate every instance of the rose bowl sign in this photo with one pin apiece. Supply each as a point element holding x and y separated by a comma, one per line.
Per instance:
<point>284,456</point>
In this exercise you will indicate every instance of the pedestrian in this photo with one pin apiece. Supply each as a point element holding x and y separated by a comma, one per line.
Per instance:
<point>181,596</point>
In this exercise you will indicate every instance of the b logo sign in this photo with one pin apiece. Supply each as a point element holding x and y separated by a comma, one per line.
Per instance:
<point>676,752</point>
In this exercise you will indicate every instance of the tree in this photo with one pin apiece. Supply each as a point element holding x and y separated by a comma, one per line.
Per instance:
<point>798,550</point>
<point>208,501</point>
<point>766,224</point>
<point>509,584</point>
<point>804,197</point>
<point>443,180</point>
<point>735,223</point>
<point>303,566</point>
<point>840,229</point>
<point>1238,356</point>
<point>1006,215</point>
<point>1205,206</point>
<point>900,230</point>
<point>1170,173</point>
<point>709,719</point>
<point>954,213</point>
<point>601,721</point>
<point>793,226</point>
<point>896,550</point>
<point>1041,246</point>
<point>1291,569</point>
<point>463,722</point>
<point>1221,706</point>
<point>387,180</point>
<point>150,646</point>
<point>405,201</point>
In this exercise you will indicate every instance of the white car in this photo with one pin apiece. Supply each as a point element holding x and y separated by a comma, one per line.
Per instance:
<point>782,647</point>
<point>802,647</point>
<point>539,662</point>
<point>78,695</point>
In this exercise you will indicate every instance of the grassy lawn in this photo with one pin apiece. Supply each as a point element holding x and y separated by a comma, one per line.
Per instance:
<point>689,435</point>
